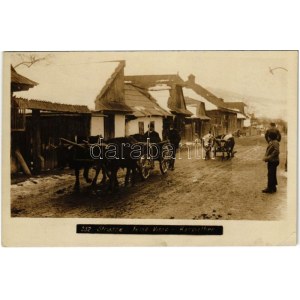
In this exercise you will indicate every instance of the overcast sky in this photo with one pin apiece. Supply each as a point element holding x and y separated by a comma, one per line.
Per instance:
<point>233,75</point>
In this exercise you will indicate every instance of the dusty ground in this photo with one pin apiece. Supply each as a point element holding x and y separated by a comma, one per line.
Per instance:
<point>197,189</point>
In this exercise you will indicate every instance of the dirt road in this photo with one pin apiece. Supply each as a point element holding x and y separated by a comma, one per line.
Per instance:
<point>196,189</point>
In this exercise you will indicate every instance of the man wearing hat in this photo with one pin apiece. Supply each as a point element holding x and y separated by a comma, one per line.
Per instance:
<point>272,158</point>
<point>152,134</point>
<point>275,130</point>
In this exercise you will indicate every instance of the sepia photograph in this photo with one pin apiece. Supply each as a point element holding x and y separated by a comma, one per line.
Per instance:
<point>151,143</point>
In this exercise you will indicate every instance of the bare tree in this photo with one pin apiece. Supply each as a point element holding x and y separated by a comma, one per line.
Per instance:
<point>30,59</point>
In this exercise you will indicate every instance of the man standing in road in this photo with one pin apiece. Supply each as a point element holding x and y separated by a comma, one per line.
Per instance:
<point>174,138</point>
<point>272,158</point>
<point>275,130</point>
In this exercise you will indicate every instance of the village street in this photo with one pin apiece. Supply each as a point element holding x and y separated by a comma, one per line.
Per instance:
<point>196,189</point>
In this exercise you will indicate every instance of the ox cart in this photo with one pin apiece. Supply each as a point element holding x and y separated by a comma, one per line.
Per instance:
<point>224,145</point>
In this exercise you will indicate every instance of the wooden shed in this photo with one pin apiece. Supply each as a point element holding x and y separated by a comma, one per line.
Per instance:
<point>33,149</point>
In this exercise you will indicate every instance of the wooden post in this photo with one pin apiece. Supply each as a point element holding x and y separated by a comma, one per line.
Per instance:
<point>36,141</point>
<point>22,162</point>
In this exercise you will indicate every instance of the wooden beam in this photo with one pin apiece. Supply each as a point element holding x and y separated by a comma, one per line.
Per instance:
<point>36,137</point>
<point>22,162</point>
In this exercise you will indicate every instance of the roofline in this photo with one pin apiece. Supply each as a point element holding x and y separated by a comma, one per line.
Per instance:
<point>52,106</point>
<point>120,66</point>
<point>31,82</point>
<point>178,81</point>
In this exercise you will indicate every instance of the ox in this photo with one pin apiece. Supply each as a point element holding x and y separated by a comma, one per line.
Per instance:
<point>208,142</point>
<point>225,144</point>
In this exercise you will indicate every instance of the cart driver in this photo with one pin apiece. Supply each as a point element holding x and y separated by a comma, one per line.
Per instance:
<point>152,134</point>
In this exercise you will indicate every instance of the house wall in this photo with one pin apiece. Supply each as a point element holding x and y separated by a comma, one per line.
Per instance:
<point>223,122</point>
<point>240,123</point>
<point>119,125</point>
<point>132,126</point>
<point>232,123</point>
<point>97,125</point>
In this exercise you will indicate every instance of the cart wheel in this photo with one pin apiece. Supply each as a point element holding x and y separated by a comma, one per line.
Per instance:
<point>164,163</point>
<point>144,166</point>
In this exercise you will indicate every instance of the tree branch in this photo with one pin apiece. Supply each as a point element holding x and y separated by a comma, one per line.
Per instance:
<point>32,61</point>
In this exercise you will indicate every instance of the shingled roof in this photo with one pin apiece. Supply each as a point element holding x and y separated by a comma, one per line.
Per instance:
<point>156,84</point>
<point>142,103</point>
<point>20,82</point>
<point>197,108</point>
<point>110,106</point>
<point>50,106</point>
<point>110,80</point>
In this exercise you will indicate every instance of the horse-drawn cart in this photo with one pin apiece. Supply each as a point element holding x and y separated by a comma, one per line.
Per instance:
<point>161,152</point>
<point>79,157</point>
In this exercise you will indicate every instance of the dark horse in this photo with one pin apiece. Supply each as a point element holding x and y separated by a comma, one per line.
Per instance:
<point>119,154</point>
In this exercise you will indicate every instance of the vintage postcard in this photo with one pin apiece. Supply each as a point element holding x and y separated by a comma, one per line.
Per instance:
<point>149,148</point>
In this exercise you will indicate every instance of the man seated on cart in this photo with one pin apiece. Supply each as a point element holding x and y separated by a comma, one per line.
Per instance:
<point>152,134</point>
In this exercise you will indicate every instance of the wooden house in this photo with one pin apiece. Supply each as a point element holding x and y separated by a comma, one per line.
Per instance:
<point>167,91</point>
<point>198,124</point>
<point>145,110</point>
<point>241,114</point>
<point>111,103</point>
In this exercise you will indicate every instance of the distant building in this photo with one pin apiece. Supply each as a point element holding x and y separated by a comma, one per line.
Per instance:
<point>198,124</point>
<point>241,115</point>
<point>223,119</point>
